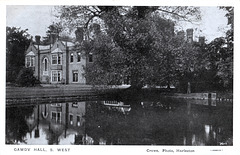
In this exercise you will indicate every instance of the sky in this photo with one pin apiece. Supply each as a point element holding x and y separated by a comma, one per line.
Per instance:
<point>36,18</point>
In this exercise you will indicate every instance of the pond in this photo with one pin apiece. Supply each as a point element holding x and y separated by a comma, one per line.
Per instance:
<point>165,121</point>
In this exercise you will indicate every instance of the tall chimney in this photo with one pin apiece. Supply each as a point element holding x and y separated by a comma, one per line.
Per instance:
<point>181,34</point>
<point>189,35</point>
<point>37,39</point>
<point>201,40</point>
<point>53,37</point>
<point>79,34</point>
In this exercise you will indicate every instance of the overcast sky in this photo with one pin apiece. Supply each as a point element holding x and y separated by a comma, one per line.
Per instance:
<point>37,18</point>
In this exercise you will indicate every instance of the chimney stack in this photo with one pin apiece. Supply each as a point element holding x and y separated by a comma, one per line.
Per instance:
<point>53,38</point>
<point>189,35</point>
<point>201,40</point>
<point>181,34</point>
<point>79,34</point>
<point>37,39</point>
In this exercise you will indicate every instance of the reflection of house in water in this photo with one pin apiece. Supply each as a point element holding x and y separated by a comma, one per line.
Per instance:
<point>76,114</point>
<point>56,123</point>
<point>149,122</point>
<point>69,113</point>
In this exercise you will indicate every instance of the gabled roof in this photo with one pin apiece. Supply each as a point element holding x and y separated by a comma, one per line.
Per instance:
<point>42,47</point>
<point>31,50</point>
<point>57,50</point>
<point>58,47</point>
<point>68,43</point>
<point>31,53</point>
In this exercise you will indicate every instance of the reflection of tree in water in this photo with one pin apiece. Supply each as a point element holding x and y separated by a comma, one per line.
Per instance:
<point>55,131</point>
<point>16,126</point>
<point>160,123</point>
<point>100,123</point>
<point>139,127</point>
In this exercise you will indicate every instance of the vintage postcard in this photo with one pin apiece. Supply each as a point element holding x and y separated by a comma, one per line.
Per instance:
<point>149,78</point>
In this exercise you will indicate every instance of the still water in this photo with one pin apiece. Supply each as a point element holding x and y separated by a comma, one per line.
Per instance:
<point>162,122</point>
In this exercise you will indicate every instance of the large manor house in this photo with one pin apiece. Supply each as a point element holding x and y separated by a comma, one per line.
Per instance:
<point>61,62</point>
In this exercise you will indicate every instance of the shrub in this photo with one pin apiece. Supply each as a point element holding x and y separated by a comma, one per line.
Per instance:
<point>26,78</point>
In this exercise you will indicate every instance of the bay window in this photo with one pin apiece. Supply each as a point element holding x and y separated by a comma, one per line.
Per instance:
<point>56,116</point>
<point>56,59</point>
<point>30,61</point>
<point>56,76</point>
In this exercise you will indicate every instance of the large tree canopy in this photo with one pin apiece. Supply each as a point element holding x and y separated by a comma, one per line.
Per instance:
<point>83,15</point>
<point>17,41</point>
<point>136,43</point>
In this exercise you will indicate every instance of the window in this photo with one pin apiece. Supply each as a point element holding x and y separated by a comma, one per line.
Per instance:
<point>75,104</point>
<point>71,119</point>
<point>71,57</point>
<point>27,61</point>
<point>56,76</point>
<point>56,116</point>
<point>90,57</point>
<point>45,64</point>
<point>59,59</point>
<point>56,104</point>
<point>78,57</point>
<point>30,61</point>
<point>78,121</point>
<point>56,59</point>
<point>75,76</point>
<point>59,76</point>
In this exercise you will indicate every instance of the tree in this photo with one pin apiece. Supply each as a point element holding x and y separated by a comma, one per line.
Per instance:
<point>16,126</point>
<point>137,53</point>
<point>215,61</point>
<point>225,63</point>
<point>140,39</point>
<point>26,78</point>
<point>17,41</point>
<point>53,33</point>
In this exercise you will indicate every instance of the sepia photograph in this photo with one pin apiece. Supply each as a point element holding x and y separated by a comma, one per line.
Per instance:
<point>158,77</point>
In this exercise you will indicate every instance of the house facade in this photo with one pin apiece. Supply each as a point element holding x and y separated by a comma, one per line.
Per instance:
<point>57,63</point>
<point>61,62</point>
